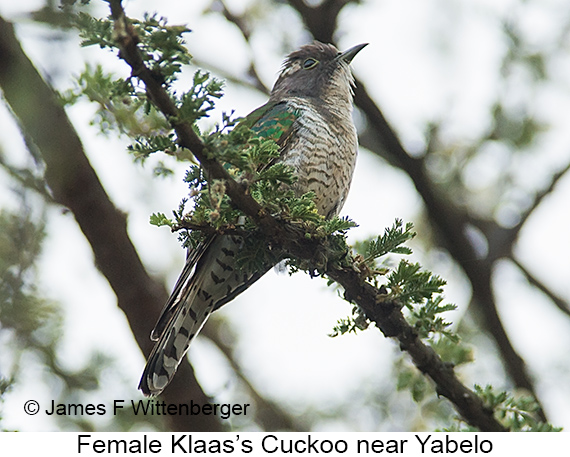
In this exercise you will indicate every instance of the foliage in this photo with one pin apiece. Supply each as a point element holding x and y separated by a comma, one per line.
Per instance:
<point>120,107</point>
<point>252,161</point>
<point>516,412</point>
<point>391,242</point>
<point>125,107</point>
<point>5,386</point>
<point>417,290</point>
<point>32,321</point>
<point>351,324</point>
<point>162,45</point>
<point>32,326</point>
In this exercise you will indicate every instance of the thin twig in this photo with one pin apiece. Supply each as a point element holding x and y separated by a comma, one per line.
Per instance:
<point>209,229</point>
<point>558,301</point>
<point>538,199</point>
<point>241,22</point>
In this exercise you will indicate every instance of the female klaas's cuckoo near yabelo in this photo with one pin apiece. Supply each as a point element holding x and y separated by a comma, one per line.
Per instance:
<point>309,115</point>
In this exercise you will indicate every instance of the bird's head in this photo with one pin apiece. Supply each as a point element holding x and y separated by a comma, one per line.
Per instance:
<point>318,71</point>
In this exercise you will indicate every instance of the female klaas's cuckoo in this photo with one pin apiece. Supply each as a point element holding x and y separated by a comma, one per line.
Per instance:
<point>309,115</point>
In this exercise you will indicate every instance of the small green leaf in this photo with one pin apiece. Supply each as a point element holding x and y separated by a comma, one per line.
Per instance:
<point>160,220</point>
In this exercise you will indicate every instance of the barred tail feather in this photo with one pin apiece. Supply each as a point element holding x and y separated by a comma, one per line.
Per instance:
<point>186,321</point>
<point>209,280</point>
<point>176,299</point>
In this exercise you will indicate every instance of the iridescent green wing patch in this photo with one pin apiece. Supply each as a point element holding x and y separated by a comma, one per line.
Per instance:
<point>275,123</point>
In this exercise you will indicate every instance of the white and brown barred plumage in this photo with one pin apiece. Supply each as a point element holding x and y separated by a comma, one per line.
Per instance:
<point>311,106</point>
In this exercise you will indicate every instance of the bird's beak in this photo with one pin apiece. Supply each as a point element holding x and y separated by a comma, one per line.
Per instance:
<point>349,54</point>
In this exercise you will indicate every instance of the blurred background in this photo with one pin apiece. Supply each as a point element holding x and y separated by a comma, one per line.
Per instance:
<point>462,112</point>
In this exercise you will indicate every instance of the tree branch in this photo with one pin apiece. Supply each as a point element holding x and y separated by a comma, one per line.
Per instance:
<point>269,414</point>
<point>538,199</point>
<point>558,301</point>
<point>387,315</point>
<point>75,184</point>
<point>449,220</point>
<point>321,19</point>
<point>241,22</point>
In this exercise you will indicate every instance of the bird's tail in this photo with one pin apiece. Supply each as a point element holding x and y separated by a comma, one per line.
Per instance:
<point>186,317</point>
<point>210,279</point>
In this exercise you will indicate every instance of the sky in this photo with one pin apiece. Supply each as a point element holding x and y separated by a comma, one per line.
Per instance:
<point>427,59</point>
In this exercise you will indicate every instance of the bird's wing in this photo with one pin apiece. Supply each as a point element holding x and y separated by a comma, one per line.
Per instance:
<point>210,277</point>
<point>273,121</point>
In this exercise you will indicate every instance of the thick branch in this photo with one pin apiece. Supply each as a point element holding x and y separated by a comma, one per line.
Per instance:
<point>449,221</point>
<point>387,316</point>
<point>74,184</point>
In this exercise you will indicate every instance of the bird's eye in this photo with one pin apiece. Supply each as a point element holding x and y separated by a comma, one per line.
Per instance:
<point>310,63</point>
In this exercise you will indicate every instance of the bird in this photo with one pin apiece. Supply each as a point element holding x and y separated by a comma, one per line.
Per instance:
<point>309,116</point>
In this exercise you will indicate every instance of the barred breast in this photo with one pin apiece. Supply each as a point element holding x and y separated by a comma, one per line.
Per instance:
<point>323,152</point>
